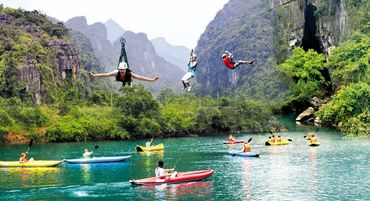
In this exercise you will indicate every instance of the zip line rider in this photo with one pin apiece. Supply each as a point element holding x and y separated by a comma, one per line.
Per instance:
<point>124,75</point>
<point>230,64</point>
<point>192,67</point>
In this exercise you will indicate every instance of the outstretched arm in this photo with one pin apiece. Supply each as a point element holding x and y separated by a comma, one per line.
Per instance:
<point>139,77</point>
<point>91,74</point>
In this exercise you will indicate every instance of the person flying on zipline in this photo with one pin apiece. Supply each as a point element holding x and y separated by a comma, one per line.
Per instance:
<point>192,66</point>
<point>124,75</point>
<point>230,64</point>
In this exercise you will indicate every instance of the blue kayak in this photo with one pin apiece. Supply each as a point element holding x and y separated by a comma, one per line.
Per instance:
<point>244,154</point>
<point>97,160</point>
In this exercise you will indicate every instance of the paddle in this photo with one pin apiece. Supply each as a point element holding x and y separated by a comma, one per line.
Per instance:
<point>29,145</point>
<point>175,164</point>
<point>96,147</point>
<point>250,139</point>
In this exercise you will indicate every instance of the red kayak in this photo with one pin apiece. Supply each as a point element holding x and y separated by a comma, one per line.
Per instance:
<point>234,142</point>
<point>181,177</point>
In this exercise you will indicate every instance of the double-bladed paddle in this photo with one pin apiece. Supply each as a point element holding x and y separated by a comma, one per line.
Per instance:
<point>29,145</point>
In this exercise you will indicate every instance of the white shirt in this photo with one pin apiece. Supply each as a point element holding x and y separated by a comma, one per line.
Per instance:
<point>159,172</point>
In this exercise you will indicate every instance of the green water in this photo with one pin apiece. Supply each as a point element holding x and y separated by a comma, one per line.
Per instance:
<point>339,169</point>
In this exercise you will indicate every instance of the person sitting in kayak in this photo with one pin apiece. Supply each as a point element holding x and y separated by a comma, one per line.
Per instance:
<point>231,138</point>
<point>273,139</point>
<point>124,75</point>
<point>149,143</point>
<point>87,153</point>
<point>246,147</point>
<point>161,172</point>
<point>230,63</point>
<point>23,158</point>
<point>278,139</point>
<point>313,139</point>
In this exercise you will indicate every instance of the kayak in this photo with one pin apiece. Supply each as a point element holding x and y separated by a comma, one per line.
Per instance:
<point>158,147</point>
<point>97,160</point>
<point>283,142</point>
<point>314,144</point>
<point>244,154</point>
<point>39,163</point>
<point>234,142</point>
<point>180,177</point>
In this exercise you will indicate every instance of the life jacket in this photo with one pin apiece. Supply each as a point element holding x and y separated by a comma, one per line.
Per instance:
<point>125,79</point>
<point>313,140</point>
<point>247,148</point>
<point>229,63</point>
<point>278,139</point>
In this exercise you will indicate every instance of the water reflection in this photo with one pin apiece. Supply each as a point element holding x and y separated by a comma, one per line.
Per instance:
<point>30,177</point>
<point>85,173</point>
<point>246,177</point>
<point>158,154</point>
<point>198,190</point>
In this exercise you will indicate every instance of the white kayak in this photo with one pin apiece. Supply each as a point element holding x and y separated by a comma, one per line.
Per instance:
<point>98,160</point>
<point>244,154</point>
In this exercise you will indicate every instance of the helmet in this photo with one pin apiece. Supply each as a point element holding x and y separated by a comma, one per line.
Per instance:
<point>194,55</point>
<point>224,55</point>
<point>122,66</point>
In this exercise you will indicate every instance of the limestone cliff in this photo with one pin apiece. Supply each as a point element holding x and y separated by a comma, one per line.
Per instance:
<point>36,55</point>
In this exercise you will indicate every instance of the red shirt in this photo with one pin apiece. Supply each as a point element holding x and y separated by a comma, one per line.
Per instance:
<point>228,61</point>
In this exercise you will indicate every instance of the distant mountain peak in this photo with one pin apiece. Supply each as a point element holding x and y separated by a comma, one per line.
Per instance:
<point>177,55</point>
<point>114,30</point>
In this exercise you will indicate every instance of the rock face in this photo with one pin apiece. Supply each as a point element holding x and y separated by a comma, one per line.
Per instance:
<point>265,30</point>
<point>41,54</point>
<point>97,34</point>
<point>306,115</point>
<point>67,59</point>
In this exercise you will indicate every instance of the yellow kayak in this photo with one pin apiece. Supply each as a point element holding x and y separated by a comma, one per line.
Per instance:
<point>283,142</point>
<point>314,144</point>
<point>29,164</point>
<point>158,147</point>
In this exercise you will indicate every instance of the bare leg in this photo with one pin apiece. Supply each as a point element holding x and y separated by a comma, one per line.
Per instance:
<point>242,62</point>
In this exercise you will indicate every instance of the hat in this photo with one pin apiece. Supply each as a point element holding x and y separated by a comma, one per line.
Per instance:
<point>122,66</point>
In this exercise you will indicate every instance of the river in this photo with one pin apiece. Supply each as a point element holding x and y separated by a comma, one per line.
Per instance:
<point>339,169</point>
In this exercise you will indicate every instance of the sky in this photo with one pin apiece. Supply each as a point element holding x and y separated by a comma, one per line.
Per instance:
<point>181,22</point>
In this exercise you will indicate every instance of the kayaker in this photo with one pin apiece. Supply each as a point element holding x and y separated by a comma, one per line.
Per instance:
<point>23,158</point>
<point>123,74</point>
<point>192,66</point>
<point>149,143</point>
<point>230,64</point>
<point>279,138</point>
<point>273,139</point>
<point>87,153</point>
<point>231,138</point>
<point>160,171</point>
<point>313,139</point>
<point>246,147</point>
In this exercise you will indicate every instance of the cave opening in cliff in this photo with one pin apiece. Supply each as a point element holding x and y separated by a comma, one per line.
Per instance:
<point>310,40</point>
